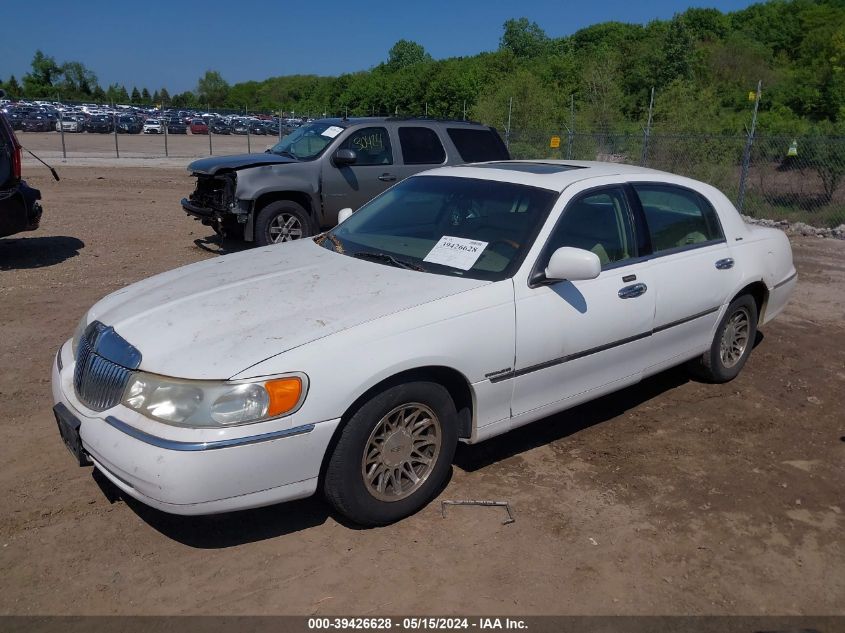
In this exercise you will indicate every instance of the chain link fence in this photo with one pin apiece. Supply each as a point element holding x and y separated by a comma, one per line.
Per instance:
<point>780,178</point>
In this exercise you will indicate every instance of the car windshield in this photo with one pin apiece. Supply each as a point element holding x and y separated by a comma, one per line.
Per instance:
<point>308,141</point>
<point>481,229</point>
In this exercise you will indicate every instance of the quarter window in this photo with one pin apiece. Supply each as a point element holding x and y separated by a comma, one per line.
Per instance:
<point>421,146</point>
<point>677,217</point>
<point>371,144</point>
<point>599,222</point>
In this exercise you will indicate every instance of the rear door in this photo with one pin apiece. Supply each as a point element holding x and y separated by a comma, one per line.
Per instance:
<point>373,172</point>
<point>692,267</point>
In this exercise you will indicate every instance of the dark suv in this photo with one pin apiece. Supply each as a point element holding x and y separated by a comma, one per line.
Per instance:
<point>19,208</point>
<point>300,184</point>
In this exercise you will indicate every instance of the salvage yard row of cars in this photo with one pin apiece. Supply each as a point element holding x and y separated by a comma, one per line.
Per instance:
<point>466,296</point>
<point>47,117</point>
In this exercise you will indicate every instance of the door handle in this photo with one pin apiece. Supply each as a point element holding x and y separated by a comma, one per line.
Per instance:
<point>629,292</point>
<point>724,264</point>
<point>387,177</point>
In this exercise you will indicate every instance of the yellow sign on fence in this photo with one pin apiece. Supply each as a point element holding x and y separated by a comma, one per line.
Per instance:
<point>554,142</point>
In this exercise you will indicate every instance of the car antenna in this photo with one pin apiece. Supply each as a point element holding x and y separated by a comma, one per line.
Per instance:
<point>52,171</point>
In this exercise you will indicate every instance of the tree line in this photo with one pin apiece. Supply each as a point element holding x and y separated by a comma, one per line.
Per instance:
<point>703,64</point>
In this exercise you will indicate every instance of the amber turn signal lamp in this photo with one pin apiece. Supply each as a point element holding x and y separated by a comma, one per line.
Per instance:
<point>284,394</point>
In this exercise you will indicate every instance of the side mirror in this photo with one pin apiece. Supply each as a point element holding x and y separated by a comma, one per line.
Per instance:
<point>343,215</point>
<point>573,264</point>
<point>343,157</point>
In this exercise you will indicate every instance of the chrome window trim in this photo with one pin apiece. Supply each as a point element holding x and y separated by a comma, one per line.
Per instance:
<point>174,445</point>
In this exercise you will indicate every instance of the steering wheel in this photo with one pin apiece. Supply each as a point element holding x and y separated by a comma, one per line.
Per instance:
<point>509,243</point>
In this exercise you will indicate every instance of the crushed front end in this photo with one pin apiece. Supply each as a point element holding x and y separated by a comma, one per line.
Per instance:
<point>214,204</point>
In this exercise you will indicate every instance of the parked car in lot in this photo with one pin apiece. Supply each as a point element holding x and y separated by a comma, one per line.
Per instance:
<point>153,126</point>
<point>71,123</point>
<point>219,126</point>
<point>176,126</point>
<point>198,126</point>
<point>129,125</point>
<point>460,304</point>
<point>100,124</point>
<point>258,128</point>
<point>36,122</point>
<point>19,206</point>
<point>240,127</point>
<point>299,185</point>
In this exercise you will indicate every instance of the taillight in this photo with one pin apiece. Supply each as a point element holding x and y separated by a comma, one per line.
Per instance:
<point>16,162</point>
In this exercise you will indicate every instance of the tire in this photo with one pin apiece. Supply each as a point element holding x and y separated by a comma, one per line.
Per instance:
<point>381,499</point>
<point>272,220</point>
<point>738,331</point>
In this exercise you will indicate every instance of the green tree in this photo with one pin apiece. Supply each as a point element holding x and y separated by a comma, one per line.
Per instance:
<point>212,88</point>
<point>145,96</point>
<point>40,82</point>
<point>156,97</point>
<point>677,52</point>
<point>13,88</point>
<point>136,96</point>
<point>406,53</point>
<point>164,95</point>
<point>523,38</point>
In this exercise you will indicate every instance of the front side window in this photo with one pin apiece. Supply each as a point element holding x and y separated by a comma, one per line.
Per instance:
<point>597,221</point>
<point>371,144</point>
<point>421,146</point>
<point>481,229</point>
<point>677,217</point>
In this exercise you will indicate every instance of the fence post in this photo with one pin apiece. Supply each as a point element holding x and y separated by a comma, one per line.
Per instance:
<point>164,123</point>
<point>508,128</point>
<point>62,130</point>
<point>647,131</point>
<point>280,123</point>
<point>746,156</point>
<point>465,109</point>
<point>114,119</point>
<point>208,128</point>
<point>571,128</point>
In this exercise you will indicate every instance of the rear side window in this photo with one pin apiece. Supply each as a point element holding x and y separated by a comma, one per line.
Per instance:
<point>677,217</point>
<point>421,146</point>
<point>477,146</point>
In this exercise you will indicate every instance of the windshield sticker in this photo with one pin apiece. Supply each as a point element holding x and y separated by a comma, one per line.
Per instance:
<point>331,131</point>
<point>456,252</point>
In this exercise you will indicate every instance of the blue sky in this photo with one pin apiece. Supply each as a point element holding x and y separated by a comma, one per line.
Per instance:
<point>153,44</point>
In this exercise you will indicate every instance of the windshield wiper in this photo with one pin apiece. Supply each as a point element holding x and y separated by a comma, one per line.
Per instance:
<point>284,152</point>
<point>387,259</point>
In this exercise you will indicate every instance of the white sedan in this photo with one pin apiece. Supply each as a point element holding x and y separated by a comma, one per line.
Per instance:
<point>153,126</point>
<point>458,305</point>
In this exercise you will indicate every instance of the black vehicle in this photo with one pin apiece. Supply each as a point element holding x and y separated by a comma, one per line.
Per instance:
<point>15,117</point>
<point>101,124</point>
<point>129,125</point>
<point>19,208</point>
<point>176,126</point>
<point>219,126</point>
<point>37,122</point>
<point>240,127</point>
<point>257,127</point>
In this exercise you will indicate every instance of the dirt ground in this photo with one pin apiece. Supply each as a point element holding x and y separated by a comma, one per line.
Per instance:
<point>671,497</point>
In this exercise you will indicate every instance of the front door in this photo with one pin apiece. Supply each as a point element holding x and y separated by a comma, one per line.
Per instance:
<point>373,172</point>
<point>574,338</point>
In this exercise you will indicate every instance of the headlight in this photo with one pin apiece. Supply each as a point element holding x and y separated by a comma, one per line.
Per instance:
<point>206,403</point>
<point>78,332</point>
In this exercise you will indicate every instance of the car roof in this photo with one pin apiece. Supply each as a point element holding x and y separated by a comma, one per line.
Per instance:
<point>550,174</point>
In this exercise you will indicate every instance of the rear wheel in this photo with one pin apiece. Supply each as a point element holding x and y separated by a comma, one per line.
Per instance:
<point>282,221</point>
<point>731,344</point>
<point>394,454</point>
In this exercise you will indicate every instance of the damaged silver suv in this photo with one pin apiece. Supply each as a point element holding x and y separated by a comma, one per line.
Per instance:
<point>300,184</point>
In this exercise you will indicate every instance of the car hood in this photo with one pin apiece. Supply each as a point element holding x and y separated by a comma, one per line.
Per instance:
<point>213,164</point>
<point>217,318</point>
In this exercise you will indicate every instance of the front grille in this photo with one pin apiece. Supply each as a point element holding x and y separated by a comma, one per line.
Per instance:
<point>99,382</point>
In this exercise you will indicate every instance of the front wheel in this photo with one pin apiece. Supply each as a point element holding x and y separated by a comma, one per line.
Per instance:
<point>731,344</point>
<point>394,454</point>
<point>282,221</point>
